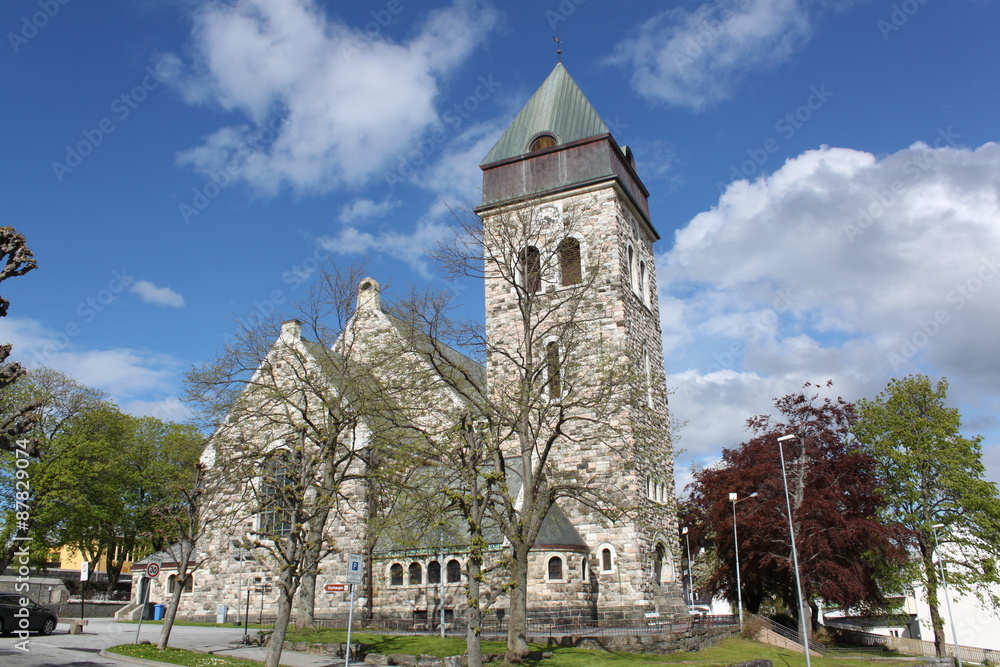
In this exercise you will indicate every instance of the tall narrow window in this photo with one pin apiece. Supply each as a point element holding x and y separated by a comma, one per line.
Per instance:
<point>583,568</point>
<point>658,563</point>
<point>553,369</point>
<point>396,575</point>
<point>647,371</point>
<point>569,261</point>
<point>642,281</point>
<point>631,267</point>
<point>606,560</point>
<point>275,496</point>
<point>531,269</point>
<point>454,572</point>
<point>555,568</point>
<point>434,572</point>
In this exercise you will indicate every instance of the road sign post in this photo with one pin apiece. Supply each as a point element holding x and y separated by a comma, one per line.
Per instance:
<point>355,573</point>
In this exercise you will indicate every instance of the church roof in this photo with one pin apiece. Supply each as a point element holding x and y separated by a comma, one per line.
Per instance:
<point>559,108</point>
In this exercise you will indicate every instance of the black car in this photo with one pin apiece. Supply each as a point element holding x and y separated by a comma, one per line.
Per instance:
<point>40,619</point>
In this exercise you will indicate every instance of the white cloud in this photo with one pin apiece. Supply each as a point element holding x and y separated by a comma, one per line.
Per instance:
<point>128,375</point>
<point>328,104</point>
<point>161,296</point>
<point>410,248</point>
<point>167,409</point>
<point>841,266</point>
<point>697,58</point>
<point>365,209</point>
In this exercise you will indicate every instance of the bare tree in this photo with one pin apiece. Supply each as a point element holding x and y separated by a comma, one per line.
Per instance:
<point>293,436</point>
<point>558,385</point>
<point>17,420</point>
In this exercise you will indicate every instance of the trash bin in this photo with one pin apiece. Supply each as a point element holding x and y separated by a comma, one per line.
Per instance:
<point>147,611</point>
<point>158,611</point>
<point>220,614</point>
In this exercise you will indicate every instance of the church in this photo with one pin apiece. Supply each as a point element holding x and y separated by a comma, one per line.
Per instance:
<point>567,239</point>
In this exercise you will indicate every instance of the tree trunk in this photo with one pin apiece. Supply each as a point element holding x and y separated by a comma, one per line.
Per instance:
<point>473,633</point>
<point>286,594</point>
<point>175,598</point>
<point>305,601</point>
<point>517,640</point>
<point>931,577</point>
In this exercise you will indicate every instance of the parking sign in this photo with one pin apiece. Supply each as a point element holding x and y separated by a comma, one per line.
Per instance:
<point>355,568</point>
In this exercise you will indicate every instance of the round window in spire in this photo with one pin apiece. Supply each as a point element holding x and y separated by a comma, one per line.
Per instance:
<point>541,142</point>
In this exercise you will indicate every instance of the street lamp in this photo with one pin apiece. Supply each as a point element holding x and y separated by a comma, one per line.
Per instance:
<point>947,597</point>
<point>734,498</point>
<point>687,541</point>
<point>795,555</point>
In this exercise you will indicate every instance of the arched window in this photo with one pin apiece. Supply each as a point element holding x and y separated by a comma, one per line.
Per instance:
<point>606,564</point>
<point>542,141</point>
<point>569,261</point>
<point>663,565</point>
<point>631,267</point>
<point>642,281</point>
<point>275,495</point>
<point>396,575</point>
<point>657,563</point>
<point>416,574</point>
<point>454,571</point>
<point>552,368</point>
<point>172,584</point>
<point>555,568</point>
<point>647,370</point>
<point>531,269</point>
<point>434,572</point>
<point>584,566</point>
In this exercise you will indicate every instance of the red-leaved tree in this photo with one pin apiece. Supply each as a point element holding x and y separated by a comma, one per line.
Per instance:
<point>845,553</point>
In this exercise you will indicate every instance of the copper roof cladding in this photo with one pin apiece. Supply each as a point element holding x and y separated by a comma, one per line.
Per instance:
<point>559,108</point>
<point>585,152</point>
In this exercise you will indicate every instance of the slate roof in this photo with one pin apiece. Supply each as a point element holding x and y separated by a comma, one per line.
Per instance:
<point>558,107</point>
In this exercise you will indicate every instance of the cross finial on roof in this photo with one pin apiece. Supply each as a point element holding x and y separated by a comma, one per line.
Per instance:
<point>558,48</point>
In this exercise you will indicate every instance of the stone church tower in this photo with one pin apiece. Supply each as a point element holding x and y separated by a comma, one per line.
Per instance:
<point>567,227</point>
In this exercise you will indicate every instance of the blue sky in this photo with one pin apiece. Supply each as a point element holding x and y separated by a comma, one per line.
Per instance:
<point>822,174</point>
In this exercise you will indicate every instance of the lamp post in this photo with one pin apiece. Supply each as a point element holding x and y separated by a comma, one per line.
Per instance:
<point>947,597</point>
<point>795,555</point>
<point>734,498</point>
<point>687,541</point>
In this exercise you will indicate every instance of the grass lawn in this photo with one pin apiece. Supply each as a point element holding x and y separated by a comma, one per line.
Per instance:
<point>726,653</point>
<point>176,656</point>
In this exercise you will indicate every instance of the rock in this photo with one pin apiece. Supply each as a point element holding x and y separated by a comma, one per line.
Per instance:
<point>402,659</point>
<point>376,659</point>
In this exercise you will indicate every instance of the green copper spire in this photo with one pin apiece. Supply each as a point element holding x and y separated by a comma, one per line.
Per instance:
<point>558,108</point>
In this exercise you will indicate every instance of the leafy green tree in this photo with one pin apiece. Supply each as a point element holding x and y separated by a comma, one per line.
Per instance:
<point>934,476</point>
<point>58,399</point>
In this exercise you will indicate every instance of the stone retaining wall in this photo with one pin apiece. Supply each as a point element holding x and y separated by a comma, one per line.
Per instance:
<point>695,639</point>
